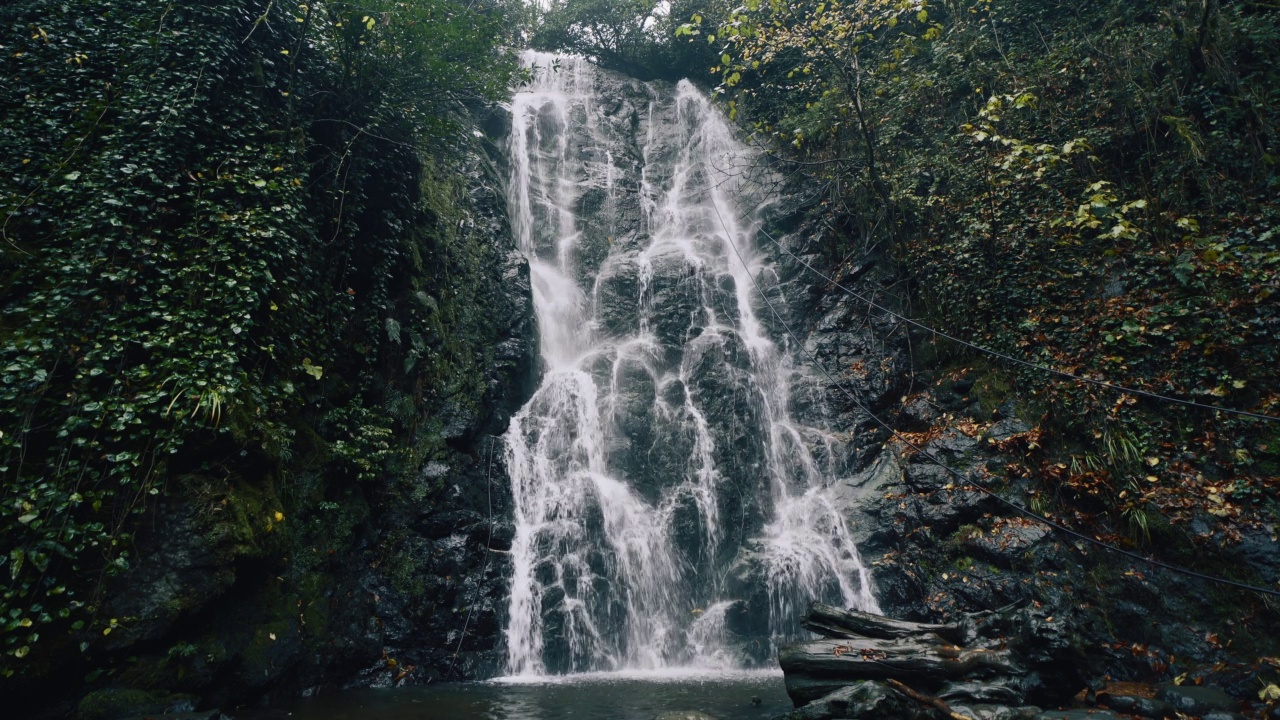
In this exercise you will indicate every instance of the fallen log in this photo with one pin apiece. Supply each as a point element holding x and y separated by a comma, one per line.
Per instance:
<point>1013,656</point>
<point>873,659</point>
<point>833,622</point>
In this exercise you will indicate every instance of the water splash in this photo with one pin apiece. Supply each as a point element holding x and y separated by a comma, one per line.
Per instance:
<point>658,450</point>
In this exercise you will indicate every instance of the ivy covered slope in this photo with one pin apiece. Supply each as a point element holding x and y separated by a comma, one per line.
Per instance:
<point>1093,187</point>
<point>252,281</point>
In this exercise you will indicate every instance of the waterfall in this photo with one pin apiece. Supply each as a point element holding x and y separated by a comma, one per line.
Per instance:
<point>670,507</point>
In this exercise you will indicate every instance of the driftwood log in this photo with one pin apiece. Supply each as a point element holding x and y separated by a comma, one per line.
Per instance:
<point>1014,656</point>
<point>832,622</point>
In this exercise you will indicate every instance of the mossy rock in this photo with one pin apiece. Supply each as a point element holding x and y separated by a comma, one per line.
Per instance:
<point>114,703</point>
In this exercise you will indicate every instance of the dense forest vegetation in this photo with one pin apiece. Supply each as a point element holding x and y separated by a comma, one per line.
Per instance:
<point>1087,186</point>
<point>236,246</point>
<point>235,250</point>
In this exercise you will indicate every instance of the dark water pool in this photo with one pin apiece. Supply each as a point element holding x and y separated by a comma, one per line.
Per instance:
<point>611,696</point>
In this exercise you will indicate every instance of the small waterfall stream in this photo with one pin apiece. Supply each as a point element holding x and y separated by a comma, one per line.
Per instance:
<point>669,508</point>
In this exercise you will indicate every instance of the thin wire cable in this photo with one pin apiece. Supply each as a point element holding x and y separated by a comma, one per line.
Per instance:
<point>964,478</point>
<point>1016,360</point>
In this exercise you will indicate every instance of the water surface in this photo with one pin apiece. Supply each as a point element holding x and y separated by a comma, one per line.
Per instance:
<point>590,696</point>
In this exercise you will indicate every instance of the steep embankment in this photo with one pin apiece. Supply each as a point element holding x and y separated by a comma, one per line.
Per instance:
<point>262,317</point>
<point>1090,188</point>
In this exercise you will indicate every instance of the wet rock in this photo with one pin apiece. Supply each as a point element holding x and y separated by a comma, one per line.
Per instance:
<point>1132,705</point>
<point>114,703</point>
<point>988,692</point>
<point>1259,548</point>
<point>1007,544</point>
<point>996,712</point>
<point>205,715</point>
<point>926,476</point>
<point>883,475</point>
<point>866,700</point>
<point>1197,700</point>
<point>953,443</point>
<point>1006,410</point>
<point>1079,714</point>
<point>918,415</point>
<point>184,562</point>
<point>942,511</point>
<point>501,536</point>
<point>1007,428</point>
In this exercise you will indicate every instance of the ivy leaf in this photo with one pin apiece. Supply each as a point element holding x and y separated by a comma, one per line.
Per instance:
<point>314,371</point>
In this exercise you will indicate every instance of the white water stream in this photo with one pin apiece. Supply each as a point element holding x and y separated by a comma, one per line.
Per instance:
<point>660,482</point>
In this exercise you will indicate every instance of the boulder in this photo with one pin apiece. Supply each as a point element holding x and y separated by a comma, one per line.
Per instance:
<point>1197,699</point>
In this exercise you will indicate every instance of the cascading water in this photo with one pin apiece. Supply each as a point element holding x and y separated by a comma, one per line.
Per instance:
<point>667,504</point>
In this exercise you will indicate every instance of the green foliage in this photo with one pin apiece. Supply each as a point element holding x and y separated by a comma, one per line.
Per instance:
<point>210,213</point>
<point>1092,188</point>
<point>637,37</point>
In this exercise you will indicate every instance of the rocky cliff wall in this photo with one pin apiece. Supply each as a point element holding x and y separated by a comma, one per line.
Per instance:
<point>941,548</point>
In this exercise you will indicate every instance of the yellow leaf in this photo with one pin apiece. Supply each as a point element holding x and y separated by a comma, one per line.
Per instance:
<point>314,371</point>
<point>279,516</point>
<point>1270,693</point>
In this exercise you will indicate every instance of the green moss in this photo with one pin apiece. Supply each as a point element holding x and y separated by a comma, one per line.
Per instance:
<point>406,571</point>
<point>262,655</point>
<point>152,673</point>
<point>313,607</point>
<point>992,389</point>
<point>113,703</point>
